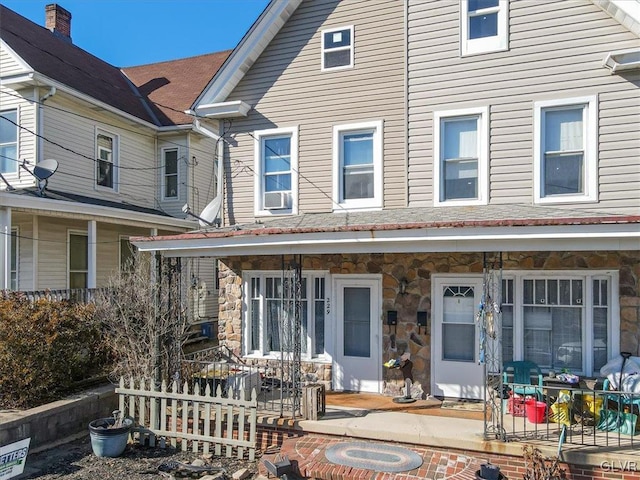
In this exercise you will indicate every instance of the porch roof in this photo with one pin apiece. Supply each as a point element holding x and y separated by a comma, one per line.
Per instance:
<point>425,229</point>
<point>58,203</point>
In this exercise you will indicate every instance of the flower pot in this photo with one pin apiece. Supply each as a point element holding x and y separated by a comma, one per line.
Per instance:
<point>107,440</point>
<point>488,472</point>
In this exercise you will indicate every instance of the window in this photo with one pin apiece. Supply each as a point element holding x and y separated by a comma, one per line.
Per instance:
<point>484,26</point>
<point>561,321</point>
<point>337,48</point>
<point>78,260</point>
<point>460,152</point>
<point>127,255</point>
<point>8,141</point>
<point>276,160</point>
<point>170,162</point>
<point>357,154</point>
<point>106,163</point>
<point>13,281</point>
<point>270,315</point>
<point>565,150</point>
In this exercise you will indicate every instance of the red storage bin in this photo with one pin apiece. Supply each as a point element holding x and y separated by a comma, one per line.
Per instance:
<point>536,410</point>
<point>516,406</point>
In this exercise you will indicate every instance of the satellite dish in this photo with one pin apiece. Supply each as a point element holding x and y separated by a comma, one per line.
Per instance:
<point>45,168</point>
<point>210,212</point>
<point>42,171</point>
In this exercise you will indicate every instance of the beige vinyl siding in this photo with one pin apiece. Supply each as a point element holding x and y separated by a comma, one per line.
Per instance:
<point>287,88</point>
<point>73,126</point>
<point>200,178</point>
<point>556,49</point>
<point>25,250</point>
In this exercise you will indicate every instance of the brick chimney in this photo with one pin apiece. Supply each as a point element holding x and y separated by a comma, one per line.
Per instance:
<point>58,20</point>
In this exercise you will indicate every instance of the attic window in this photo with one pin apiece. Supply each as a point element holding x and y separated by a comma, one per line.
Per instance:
<point>337,48</point>
<point>622,60</point>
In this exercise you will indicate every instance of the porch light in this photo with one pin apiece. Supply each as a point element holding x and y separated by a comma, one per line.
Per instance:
<point>403,286</point>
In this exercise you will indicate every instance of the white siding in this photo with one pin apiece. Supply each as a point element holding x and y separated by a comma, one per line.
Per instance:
<point>556,48</point>
<point>287,88</point>
<point>9,63</point>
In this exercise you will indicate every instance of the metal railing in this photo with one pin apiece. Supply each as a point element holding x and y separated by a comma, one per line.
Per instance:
<point>572,415</point>
<point>218,367</point>
<point>76,295</point>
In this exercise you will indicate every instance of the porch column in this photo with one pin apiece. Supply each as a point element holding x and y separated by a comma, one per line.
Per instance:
<point>92,244</point>
<point>5,248</point>
<point>154,265</point>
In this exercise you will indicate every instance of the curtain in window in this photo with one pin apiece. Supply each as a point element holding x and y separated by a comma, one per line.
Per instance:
<point>563,130</point>
<point>8,142</point>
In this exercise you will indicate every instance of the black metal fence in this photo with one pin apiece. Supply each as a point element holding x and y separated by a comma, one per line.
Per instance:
<point>572,415</point>
<point>77,295</point>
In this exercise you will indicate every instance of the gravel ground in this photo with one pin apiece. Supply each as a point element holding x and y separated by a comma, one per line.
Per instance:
<point>76,461</point>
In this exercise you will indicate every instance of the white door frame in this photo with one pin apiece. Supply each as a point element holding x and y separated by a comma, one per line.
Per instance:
<point>374,282</point>
<point>468,372</point>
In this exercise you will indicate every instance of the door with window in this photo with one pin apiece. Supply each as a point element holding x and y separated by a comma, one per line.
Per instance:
<point>358,361</point>
<point>455,338</point>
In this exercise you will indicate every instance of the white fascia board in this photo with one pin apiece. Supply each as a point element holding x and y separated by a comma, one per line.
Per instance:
<point>236,108</point>
<point>45,81</point>
<point>22,202</point>
<point>424,240</point>
<point>622,60</point>
<point>248,50</point>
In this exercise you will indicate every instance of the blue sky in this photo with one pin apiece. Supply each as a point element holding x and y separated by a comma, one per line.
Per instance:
<point>136,32</point>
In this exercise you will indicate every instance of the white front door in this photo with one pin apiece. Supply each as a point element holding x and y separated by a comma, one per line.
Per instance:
<point>358,362</point>
<point>455,338</point>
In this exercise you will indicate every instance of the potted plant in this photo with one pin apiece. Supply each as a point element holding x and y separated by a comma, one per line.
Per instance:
<point>488,471</point>
<point>109,436</point>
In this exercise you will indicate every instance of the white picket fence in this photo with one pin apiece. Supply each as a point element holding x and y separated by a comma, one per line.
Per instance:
<point>207,420</point>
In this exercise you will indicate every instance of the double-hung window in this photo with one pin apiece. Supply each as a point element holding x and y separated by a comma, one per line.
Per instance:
<point>565,150</point>
<point>337,48</point>
<point>460,157</point>
<point>78,254</point>
<point>13,281</point>
<point>107,160</point>
<point>170,164</point>
<point>484,26</point>
<point>357,170</point>
<point>271,313</point>
<point>276,165</point>
<point>8,141</point>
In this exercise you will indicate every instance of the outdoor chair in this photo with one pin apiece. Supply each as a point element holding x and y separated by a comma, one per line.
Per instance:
<point>524,378</point>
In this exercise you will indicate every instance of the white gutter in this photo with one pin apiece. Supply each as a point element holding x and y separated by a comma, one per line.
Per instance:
<point>24,203</point>
<point>459,239</point>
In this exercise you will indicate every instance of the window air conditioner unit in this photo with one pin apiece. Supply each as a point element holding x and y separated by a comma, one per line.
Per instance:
<point>276,200</point>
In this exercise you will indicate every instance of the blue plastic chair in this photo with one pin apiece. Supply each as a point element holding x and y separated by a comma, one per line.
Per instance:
<point>519,375</point>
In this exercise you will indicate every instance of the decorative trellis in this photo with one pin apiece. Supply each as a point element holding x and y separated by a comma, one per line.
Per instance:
<point>490,324</point>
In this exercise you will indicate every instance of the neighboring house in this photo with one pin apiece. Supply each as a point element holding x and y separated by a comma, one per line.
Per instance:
<point>128,158</point>
<point>403,153</point>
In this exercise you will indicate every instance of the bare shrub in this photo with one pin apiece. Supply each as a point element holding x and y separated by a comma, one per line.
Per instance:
<point>143,311</point>
<point>538,467</point>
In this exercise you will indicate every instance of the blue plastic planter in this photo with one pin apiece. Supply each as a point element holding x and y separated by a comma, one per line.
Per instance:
<point>107,441</point>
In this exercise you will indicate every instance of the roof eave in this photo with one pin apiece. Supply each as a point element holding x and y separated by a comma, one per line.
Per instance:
<point>114,215</point>
<point>570,237</point>
<point>247,51</point>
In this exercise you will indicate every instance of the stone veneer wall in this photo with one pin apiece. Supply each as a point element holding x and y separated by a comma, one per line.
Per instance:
<point>417,270</point>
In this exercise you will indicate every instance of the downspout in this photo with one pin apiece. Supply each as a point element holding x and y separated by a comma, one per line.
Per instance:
<point>213,210</point>
<point>40,113</point>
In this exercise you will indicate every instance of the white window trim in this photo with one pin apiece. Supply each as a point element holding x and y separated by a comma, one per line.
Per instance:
<point>587,276</point>
<point>15,239</point>
<point>590,172</point>
<point>375,203</point>
<point>483,155</point>
<point>351,48</point>
<point>164,173</point>
<point>258,199</point>
<point>15,174</point>
<point>83,233</point>
<point>115,154</point>
<point>246,318</point>
<point>500,42</point>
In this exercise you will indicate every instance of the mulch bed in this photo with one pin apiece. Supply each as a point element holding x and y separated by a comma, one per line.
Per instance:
<point>76,461</point>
